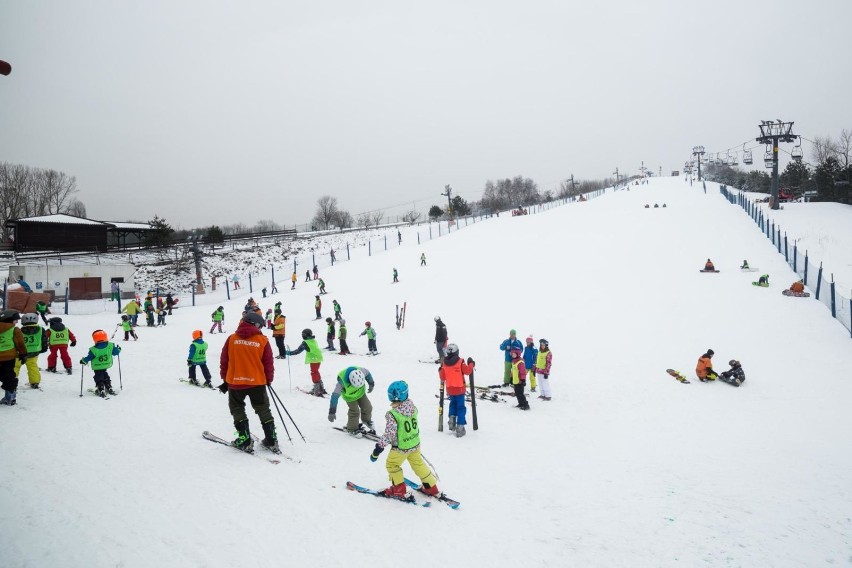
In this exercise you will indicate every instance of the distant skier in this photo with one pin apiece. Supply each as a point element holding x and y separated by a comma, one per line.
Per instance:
<point>170,302</point>
<point>371,338</point>
<point>440,339</point>
<point>395,276</point>
<point>307,275</point>
<point>198,358</point>
<point>704,369</point>
<point>542,367</point>
<point>35,337</point>
<point>12,346</point>
<point>101,355</point>
<point>58,337</point>
<point>402,434</point>
<point>338,311</point>
<point>745,265</point>
<point>128,328</point>
<point>452,373</point>
<point>708,266</point>
<point>519,376</point>
<point>316,272</point>
<point>422,259</point>
<point>313,358</point>
<point>42,310</point>
<point>321,285</point>
<point>218,317</point>
<point>330,334</point>
<point>353,384</point>
<point>279,332</point>
<point>797,287</point>
<point>318,307</point>
<point>341,334</point>
<point>293,279</point>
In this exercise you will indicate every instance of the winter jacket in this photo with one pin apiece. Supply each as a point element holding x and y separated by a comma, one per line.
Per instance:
<point>543,360</point>
<point>279,326</point>
<point>530,354</point>
<point>132,308</point>
<point>193,347</point>
<point>55,330</point>
<point>330,330</point>
<point>704,366</point>
<point>510,344</point>
<point>342,333</point>
<point>369,332</point>
<point>246,360</point>
<point>519,371</point>
<point>797,287</point>
<point>338,389</point>
<point>313,354</point>
<point>440,333</point>
<point>17,346</point>
<point>389,437</point>
<point>453,371</point>
<point>31,330</point>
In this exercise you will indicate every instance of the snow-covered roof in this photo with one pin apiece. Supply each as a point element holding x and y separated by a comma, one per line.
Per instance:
<point>60,218</point>
<point>130,226</point>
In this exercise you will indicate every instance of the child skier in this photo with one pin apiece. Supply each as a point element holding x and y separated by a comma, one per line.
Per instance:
<point>12,346</point>
<point>101,354</point>
<point>452,372</point>
<point>338,311</point>
<point>735,375</point>
<point>318,307</point>
<point>198,358</point>
<point>344,348</point>
<point>395,276</point>
<point>530,354</point>
<point>542,367</point>
<point>353,383</point>
<point>519,378</point>
<point>321,285</point>
<point>35,338</point>
<point>279,332</point>
<point>149,312</point>
<point>269,318</point>
<point>704,369</point>
<point>218,319</point>
<point>371,339</point>
<point>307,275</point>
<point>313,358</point>
<point>42,310</point>
<point>330,333</point>
<point>58,338</point>
<point>128,329</point>
<point>161,316</point>
<point>403,436</point>
<point>293,279</point>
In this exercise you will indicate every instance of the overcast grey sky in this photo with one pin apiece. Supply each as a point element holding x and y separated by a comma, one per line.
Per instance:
<point>208,111</point>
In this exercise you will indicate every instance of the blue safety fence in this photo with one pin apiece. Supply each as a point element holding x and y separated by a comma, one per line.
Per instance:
<point>813,274</point>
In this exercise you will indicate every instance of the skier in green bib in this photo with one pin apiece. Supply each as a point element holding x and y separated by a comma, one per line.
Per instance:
<point>35,337</point>
<point>101,355</point>
<point>353,384</point>
<point>313,358</point>
<point>42,310</point>
<point>402,434</point>
<point>127,328</point>
<point>12,347</point>
<point>198,358</point>
<point>59,337</point>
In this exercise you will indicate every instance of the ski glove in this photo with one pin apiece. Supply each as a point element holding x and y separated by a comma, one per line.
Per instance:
<point>471,362</point>
<point>376,453</point>
<point>74,343</point>
<point>332,414</point>
<point>189,362</point>
<point>371,387</point>
<point>223,388</point>
<point>83,362</point>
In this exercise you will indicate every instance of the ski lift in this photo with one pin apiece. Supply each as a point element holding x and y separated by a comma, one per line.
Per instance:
<point>732,160</point>
<point>768,159</point>
<point>747,156</point>
<point>710,159</point>
<point>796,152</point>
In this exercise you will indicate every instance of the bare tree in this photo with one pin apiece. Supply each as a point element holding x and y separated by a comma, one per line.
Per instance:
<point>364,220</point>
<point>411,217</point>
<point>344,219</point>
<point>56,191</point>
<point>76,208</point>
<point>823,148</point>
<point>327,211</point>
<point>266,225</point>
<point>376,217</point>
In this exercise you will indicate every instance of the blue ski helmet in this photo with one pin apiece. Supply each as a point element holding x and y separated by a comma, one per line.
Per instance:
<point>398,391</point>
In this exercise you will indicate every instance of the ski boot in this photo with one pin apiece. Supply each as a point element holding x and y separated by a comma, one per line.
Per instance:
<point>270,441</point>
<point>243,441</point>
<point>100,390</point>
<point>34,386</point>
<point>193,382</point>
<point>399,491</point>
<point>51,369</point>
<point>430,489</point>
<point>368,428</point>
<point>14,400</point>
<point>532,389</point>
<point>451,423</point>
<point>460,431</point>
<point>208,384</point>
<point>67,370</point>
<point>357,433</point>
<point>7,398</point>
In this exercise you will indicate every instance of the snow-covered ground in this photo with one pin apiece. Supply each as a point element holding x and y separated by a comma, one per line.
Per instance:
<point>624,467</point>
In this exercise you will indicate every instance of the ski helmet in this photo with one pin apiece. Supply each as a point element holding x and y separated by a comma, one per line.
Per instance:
<point>366,323</point>
<point>530,339</point>
<point>99,336</point>
<point>734,363</point>
<point>55,320</point>
<point>29,319</point>
<point>710,352</point>
<point>398,391</point>
<point>220,308</point>
<point>254,319</point>
<point>196,334</point>
<point>307,334</point>
<point>9,316</point>
<point>437,319</point>
<point>328,320</point>
<point>543,342</point>
<point>516,352</point>
<point>357,378</point>
<point>125,317</point>
<point>342,321</point>
<point>452,349</point>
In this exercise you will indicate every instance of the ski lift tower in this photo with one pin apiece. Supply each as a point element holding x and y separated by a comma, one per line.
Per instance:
<point>698,151</point>
<point>774,132</point>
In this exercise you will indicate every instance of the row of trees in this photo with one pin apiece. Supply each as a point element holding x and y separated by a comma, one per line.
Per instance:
<point>829,175</point>
<point>31,192</point>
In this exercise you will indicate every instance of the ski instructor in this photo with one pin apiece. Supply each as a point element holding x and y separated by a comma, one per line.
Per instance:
<point>246,368</point>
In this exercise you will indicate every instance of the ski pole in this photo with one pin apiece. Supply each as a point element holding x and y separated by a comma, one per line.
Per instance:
<point>81,380</point>
<point>288,412</point>
<point>289,374</point>
<point>119,371</point>
<point>279,415</point>
<point>114,331</point>
<point>432,467</point>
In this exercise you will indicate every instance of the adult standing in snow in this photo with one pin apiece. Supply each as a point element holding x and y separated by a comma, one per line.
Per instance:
<point>398,237</point>
<point>440,339</point>
<point>132,308</point>
<point>506,347</point>
<point>113,287</point>
<point>12,346</point>
<point>353,384</point>
<point>246,368</point>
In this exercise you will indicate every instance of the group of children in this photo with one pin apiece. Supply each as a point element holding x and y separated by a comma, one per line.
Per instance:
<point>522,362</point>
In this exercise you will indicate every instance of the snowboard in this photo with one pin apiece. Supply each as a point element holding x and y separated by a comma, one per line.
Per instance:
<point>730,380</point>
<point>761,285</point>
<point>679,376</point>
<point>709,271</point>
<point>789,292</point>
<point>750,269</point>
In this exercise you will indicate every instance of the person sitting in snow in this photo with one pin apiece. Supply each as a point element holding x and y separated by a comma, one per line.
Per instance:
<point>735,375</point>
<point>797,287</point>
<point>708,266</point>
<point>763,280</point>
<point>745,265</point>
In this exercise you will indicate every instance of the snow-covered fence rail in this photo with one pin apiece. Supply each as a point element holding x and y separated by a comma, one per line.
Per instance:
<point>812,272</point>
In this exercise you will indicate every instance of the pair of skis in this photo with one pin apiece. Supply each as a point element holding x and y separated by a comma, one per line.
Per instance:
<point>451,503</point>
<point>217,440</point>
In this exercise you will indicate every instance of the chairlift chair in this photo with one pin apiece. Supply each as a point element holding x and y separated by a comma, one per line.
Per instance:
<point>747,157</point>
<point>796,152</point>
<point>733,160</point>
<point>768,160</point>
